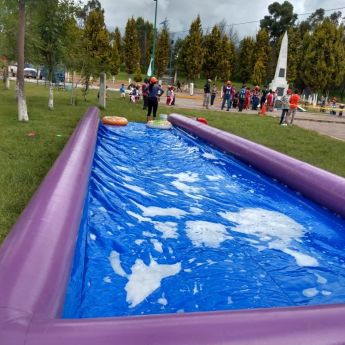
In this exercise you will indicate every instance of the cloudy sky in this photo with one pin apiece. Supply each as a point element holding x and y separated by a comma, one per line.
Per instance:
<point>180,13</point>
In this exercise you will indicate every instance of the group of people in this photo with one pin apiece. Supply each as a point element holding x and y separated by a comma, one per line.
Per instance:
<point>247,98</point>
<point>150,91</point>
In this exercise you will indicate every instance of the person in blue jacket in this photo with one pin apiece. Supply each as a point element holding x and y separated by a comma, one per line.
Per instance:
<point>154,91</point>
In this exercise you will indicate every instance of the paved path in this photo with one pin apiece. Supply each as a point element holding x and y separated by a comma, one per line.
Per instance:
<point>323,123</point>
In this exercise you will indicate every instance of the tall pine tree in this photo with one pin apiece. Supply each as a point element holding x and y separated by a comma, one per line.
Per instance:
<point>323,64</point>
<point>131,47</point>
<point>261,57</point>
<point>245,59</point>
<point>193,50</point>
<point>162,51</point>
<point>214,53</point>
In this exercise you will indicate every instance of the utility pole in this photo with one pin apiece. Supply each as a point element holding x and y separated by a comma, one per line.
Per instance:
<point>154,41</point>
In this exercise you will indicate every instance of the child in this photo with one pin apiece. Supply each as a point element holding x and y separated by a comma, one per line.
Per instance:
<point>122,91</point>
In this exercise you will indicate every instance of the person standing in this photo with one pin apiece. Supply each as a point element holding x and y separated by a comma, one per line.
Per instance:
<point>214,92</point>
<point>154,92</point>
<point>293,106</point>
<point>265,91</point>
<point>207,93</point>
<point>241,98</point>
<point>285,107</point>
<point>227,95</point>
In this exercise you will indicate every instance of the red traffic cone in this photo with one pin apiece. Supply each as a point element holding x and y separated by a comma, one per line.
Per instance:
<point>263,110</point>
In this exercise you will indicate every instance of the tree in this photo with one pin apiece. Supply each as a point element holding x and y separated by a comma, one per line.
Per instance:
<point>145,37</point>
<point>131,46</point>
<point>261,57</point>
<point>225,65</point>
<point>294,55</point>
<point>114,59</point>
<point>118,42</point>
<point>53,18</point>
<point>193,50</point>
<point>96,48</point>
<point>280,19</point>
<point>213,53</point>
<point>162,51</point>
<point>137,73</point>
<point>22,108</point>
<point>246,59</point>
<point>323,64</point>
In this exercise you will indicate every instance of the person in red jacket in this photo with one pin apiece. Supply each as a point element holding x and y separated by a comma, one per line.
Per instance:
<point>294,99</point>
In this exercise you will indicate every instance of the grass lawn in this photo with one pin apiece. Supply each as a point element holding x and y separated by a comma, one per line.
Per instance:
<point>25,159</point>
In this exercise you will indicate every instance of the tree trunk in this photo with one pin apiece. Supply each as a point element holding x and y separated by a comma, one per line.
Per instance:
<point>22,108</point>
<point>51,97</point>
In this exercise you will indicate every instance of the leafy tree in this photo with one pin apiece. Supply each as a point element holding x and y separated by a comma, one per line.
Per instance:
<point>246,59</point>
<point>137,73</point>
<point>53,20</point>
<point>261,56</point>
<point>131,46</point>
<point>193,50</point>
<point>96,48</point>
<point>280,19</point>
<point>294,55</point>
<point>114,59</point>
<point>118,42</point>
<point>323,64</point>
<point>314,19</point>
<point>214,53</point>
<point>145,37</point>
<point>225,65</point>
<point>162,51</point>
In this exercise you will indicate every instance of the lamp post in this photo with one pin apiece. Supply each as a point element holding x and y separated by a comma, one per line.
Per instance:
<point>154,41</point>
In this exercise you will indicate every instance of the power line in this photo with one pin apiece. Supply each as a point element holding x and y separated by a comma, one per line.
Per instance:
<point>258,21</point>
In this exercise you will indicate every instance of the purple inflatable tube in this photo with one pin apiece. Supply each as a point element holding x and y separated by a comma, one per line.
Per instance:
<point>35,262</point>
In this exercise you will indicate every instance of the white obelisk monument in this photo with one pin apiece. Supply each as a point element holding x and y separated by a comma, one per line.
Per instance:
<point>279,83</point>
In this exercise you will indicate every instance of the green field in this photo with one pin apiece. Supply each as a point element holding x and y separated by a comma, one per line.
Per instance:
<point>26,158</point>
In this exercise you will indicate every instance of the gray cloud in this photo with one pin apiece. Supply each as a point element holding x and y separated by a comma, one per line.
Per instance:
<point>180,13</point>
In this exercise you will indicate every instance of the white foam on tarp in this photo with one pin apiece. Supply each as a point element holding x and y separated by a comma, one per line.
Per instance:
<point>185,176</point>
<point>196,211</point>
<point>168,229</point>
<point>139,242</point>
<point>157,245</point>
<point>136,189</point>
<point>107,279</point>
<point>275,228</point>
<point>144,280</point>
<point>302,260</point>
<point>122,168</point>
<point>188,270</point>
<point>168,192</point>
<point>153,211</point>
<point>148,234</point>
<point>320,279</point>
<point>311,292</point>
<point>162,301</point>
<point>93,237</point>
<point>115,263</point>
<point>326,293</point>
<point>139,217</point>
<point>185,188</point>
<point>195,289</point>
<point>102,209</point>
<point>128,178</point>
<point>209,156</point>
<point>214,177</point>
<point>230,301</point>
<point>207,234</point>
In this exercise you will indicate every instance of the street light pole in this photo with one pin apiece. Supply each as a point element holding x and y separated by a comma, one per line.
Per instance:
<point>154,41</point>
